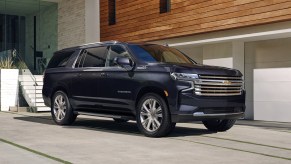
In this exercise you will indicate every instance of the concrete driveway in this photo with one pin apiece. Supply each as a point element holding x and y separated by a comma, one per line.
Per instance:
<point>34,138</point>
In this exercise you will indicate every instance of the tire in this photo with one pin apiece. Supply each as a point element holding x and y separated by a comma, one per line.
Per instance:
<point>61,110</point>
<point>153,117</point>
<point>120,120</point>
<point>219,125</point>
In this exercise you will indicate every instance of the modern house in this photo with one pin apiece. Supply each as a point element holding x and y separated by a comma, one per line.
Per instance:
<point>253,36</point>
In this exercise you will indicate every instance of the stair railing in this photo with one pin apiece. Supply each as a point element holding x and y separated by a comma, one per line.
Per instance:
<point>18,63</point>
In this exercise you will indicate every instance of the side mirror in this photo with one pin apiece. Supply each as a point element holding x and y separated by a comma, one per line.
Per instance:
<point>124,62</point>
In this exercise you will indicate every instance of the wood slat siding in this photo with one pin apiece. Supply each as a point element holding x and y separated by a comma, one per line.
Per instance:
<point>140,20</point>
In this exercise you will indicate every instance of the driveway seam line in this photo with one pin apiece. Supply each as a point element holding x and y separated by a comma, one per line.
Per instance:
<point>247,142</point>
<point>34,151</point>
<point>289,159</point>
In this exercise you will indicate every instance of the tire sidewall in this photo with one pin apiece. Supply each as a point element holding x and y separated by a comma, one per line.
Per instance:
<point>165,120</point>
<point>68,113</point>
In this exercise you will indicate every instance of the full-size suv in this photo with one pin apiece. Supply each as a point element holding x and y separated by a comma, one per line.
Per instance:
<point>155,85</point>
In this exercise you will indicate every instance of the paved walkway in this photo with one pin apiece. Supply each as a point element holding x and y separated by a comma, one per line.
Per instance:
<point>10,154</point>
<point>98,140</point>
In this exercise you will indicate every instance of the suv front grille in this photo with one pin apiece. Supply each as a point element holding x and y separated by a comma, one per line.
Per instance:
<point>209,85</point>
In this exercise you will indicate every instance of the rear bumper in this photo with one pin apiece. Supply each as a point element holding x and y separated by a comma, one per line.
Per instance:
<point>46,97</point>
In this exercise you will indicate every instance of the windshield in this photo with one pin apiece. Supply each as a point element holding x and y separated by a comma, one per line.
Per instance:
<point>155,53</point>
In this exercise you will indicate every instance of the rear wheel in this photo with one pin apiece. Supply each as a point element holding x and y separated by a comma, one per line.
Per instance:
<point>61,110</point>
<point>219,125</point>
<point>153,116</point>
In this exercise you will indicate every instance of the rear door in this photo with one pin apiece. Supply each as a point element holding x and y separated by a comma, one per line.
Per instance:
<point>85,84</point>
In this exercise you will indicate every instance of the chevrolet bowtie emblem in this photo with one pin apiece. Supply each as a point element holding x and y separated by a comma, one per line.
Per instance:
<point>226,82</point>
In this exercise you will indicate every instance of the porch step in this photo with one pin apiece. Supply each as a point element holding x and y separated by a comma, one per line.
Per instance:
<point>40,104</point>
<point>38,100</point>
<point>30,78</point>
<point>31,83</point>
<point>29,87</point>
<point>43,109</point>
<point>37,95</point>
<point>33,91</point>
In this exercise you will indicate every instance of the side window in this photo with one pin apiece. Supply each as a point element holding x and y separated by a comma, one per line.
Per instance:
<point>60,59</point>
<point>92,57</point>
<point>115,51</point>
<point>80,59</point>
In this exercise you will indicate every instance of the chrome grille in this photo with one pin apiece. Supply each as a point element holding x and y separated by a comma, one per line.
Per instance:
<point>208,85</point>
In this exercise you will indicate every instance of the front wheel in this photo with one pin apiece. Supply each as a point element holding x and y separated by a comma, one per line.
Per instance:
<point>61,110</point>
<point>153,116</point>
<point>219,125</point>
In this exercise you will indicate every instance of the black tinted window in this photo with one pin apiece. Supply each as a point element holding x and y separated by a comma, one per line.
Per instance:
<point>60,59</point>
<point>157,53</point>
<point>115,51</point>
<point>92,57</point>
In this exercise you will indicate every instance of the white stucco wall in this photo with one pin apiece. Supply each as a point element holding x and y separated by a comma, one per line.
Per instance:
<point>219,54</point>
<point>9,88</point>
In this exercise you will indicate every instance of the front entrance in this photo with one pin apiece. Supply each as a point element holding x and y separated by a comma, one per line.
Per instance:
<point>28,32</point>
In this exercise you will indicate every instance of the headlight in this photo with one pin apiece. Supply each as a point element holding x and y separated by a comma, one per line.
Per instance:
<point>184,76</point>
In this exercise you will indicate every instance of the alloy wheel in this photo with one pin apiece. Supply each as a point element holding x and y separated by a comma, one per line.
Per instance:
<point>60,107</point>
<point>151,115</point>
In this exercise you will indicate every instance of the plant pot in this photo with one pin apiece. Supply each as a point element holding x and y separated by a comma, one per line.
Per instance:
<point>9,88</point>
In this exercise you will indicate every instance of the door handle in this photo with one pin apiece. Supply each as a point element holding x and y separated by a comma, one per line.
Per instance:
<point>103,75</point>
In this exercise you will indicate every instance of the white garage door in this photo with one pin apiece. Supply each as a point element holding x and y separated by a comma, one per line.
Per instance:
<point>268,80</point>
<point>272,94</point>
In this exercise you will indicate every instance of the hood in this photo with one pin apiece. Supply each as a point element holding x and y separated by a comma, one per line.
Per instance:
<point>202,69</point>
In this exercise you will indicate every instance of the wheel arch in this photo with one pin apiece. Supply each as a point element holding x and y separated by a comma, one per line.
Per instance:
<point>59,88</point>
<point>151,89</point>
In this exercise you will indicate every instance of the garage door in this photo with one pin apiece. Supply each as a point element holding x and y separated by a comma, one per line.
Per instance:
<point>268,79</point>
<point>272,94</point>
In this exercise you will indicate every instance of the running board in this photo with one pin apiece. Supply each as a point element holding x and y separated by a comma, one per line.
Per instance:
<point>106,115</point>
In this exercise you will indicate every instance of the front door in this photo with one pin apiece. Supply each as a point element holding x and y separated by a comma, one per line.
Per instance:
<point>116,85</point>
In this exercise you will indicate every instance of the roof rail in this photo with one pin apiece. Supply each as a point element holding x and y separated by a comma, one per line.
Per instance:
<point>111,41</point>
<point>91,43</point>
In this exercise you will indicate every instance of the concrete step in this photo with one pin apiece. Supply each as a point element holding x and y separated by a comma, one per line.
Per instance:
<point>31,83</point>
<point>40,104</point>
<point>30,78</point>
<point>32,91</point>
<point>38,95</point>
<point>38,100</point>
<point>43,109</point>
<point>29,87</point>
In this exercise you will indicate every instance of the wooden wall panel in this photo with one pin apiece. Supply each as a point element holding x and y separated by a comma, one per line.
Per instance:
<point>140,20</point>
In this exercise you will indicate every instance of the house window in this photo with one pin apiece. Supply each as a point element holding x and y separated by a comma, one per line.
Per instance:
<point>111,12</point>
<point>165,6</point>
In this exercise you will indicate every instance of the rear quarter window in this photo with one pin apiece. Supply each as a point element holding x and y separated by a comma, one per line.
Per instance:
<point>60,59</point>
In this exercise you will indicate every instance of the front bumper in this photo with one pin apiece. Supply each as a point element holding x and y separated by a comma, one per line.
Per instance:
<point>198,108</point>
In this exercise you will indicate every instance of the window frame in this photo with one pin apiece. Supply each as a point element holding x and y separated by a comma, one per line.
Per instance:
<point>165,6</point>
<point>122,46</point>
<point>111,12</point>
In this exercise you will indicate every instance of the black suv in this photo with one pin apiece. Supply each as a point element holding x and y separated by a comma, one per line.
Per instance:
<point>155,85</point>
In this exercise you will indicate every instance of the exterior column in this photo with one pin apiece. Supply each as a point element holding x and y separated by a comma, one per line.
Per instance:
<point>238,55</point>
<point>92,21</point>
